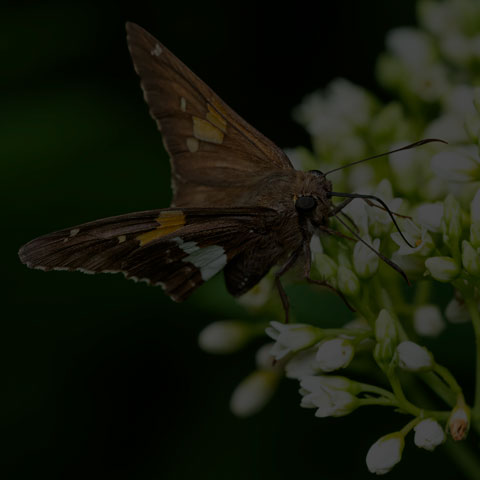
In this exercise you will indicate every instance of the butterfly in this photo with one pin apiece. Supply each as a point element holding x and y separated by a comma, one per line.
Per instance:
<point>238,204</point>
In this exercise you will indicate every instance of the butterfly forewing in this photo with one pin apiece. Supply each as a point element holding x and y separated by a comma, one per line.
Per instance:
<point>214,153</point>
<point>178,249</point>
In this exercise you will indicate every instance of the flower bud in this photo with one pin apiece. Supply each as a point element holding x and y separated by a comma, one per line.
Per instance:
<point>386,336</point>
<point>456,312</point>
<point>225,336</point>
<point>334,354</point>
<point>429,434</point>
<point>443,269</point>
<point>365,261</point>
<point>470,259</point>
<point>459,422</point>
<point>428,321</point>
<point>254,392</point>
<point>347,281</point>
<point>385,453</point>
<point>331,396</point>
<point>292,337</point>
<point>414,358</point>
<point>302,364</point>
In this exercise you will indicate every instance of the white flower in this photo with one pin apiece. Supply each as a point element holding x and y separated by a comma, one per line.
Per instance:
<point>459,422</point>
<point>429,215</point>
<point>347,281</point>
<point>254,392</point>
<point>416,236</point>
<point>443,269</point>
<point>291,337</point>
<point>385,453</point>
<point>429,434</point>
<point>428,321</point>
<point>329,395</point>
<point>225,336</point>
<point>365,261</point>
<point>456,166</point>
<point>457,312</point>
<point>302,364</point>
<point>334,354</point>
<point>413,357</point>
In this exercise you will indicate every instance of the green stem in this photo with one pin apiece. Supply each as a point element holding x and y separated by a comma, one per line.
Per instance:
<point>409,407</point>
<point>449,378</point>
<point>467,460</point>
<point>475,315</point>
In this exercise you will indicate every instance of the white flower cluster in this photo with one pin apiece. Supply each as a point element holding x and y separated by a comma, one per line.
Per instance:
<point>434,194</point>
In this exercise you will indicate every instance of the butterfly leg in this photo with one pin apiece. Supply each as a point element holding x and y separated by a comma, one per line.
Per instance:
<point>281,291</point>
<point>322,283</point>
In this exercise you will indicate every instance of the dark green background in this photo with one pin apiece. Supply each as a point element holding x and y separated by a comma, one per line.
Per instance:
<point>102,378</point>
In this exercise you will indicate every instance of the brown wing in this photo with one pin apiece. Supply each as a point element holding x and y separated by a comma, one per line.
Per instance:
<point>215,154</point>
<point>178,249</point>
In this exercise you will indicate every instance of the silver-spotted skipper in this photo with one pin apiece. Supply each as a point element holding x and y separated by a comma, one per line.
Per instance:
<point>238,203</point>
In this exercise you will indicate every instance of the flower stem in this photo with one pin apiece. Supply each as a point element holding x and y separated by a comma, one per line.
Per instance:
<point>475,315</point>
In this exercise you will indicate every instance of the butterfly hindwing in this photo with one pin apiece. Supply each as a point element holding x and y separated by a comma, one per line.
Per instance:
<point>214,152</point>
<point>178,249</point>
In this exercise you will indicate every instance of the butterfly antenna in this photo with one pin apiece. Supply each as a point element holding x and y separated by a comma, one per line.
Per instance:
<point>406,147</point>
<point>380,255</point>
<point>379,200</point>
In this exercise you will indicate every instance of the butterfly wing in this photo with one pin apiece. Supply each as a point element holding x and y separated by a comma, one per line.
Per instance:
<point>216,156</point>
<point>178,249</point>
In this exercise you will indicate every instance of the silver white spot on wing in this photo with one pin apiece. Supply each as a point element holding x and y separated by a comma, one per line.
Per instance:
<point>187,247</point>
<point>157,51</point>
<point>74,232</point>
<point>183,104</point>
<point>121,238</point>
<point>209,260</point>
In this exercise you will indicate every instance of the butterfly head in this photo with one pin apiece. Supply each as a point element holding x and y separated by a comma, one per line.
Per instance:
<point>313,203</point>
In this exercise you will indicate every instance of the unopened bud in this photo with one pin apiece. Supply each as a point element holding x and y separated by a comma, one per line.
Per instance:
<point>459,422</point>
<point>443,269</point>
<point>413,357</point>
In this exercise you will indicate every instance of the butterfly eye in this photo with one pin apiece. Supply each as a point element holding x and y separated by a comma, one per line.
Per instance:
<point>305,203</point>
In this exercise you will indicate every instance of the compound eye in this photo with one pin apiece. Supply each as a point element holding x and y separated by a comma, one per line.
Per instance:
<point>305,203</point>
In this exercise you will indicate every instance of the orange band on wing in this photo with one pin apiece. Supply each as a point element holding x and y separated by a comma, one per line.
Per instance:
<point>170,221</point>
